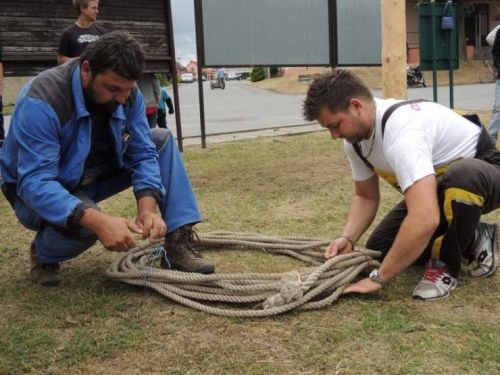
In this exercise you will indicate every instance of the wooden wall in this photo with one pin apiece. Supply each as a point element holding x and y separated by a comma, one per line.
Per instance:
<point>30,30</point>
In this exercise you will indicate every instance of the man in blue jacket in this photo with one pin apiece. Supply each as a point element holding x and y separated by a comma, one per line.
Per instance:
<point>79,135</point>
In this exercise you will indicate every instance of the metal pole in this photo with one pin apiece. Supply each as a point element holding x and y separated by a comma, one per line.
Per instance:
<point>434,67</point>
<point>199,54</point>
<point>450,69</point>
<point>450,58</point>
<point>173,69</point>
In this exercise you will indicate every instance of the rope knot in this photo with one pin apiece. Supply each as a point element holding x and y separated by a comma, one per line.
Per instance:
<point>291,290</point>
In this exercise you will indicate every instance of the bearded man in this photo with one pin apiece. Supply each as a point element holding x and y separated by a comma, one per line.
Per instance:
<point>79,135</point>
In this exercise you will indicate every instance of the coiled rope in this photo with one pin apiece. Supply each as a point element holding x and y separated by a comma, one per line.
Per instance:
<point>254,294</point>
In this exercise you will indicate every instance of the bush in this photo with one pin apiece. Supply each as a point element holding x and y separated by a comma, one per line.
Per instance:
<point>257,74</point>
<point>164,82</point>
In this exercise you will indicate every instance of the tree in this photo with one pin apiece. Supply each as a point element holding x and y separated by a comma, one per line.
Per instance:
<point>257,74</point>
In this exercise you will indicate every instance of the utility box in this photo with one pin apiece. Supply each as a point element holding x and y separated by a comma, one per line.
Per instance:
<point>437,46</point>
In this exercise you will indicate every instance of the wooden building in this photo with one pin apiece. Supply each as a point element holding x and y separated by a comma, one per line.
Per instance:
<point>30,31</point>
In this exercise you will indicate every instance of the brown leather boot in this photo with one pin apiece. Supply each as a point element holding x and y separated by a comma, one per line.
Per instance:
<point>181,253</point>
<point>44,274</point>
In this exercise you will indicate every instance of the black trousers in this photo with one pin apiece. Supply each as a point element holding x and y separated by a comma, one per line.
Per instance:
<point>162,119</point>
<point>467,190</point>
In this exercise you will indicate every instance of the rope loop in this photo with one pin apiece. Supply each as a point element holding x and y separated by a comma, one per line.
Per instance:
<point>317,286</point>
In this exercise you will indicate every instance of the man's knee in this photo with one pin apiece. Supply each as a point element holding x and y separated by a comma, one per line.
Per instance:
<point>160,137</point>
<point>58,244</point>
<point>379,242</point>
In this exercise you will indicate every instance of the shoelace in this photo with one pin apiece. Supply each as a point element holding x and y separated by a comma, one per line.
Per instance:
<point>433,273</point>
<point>187,237</point>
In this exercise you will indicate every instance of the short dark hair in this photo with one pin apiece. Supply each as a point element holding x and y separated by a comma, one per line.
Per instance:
<point>116,51</point>
<point>334,91</point>
<point>78,4</point>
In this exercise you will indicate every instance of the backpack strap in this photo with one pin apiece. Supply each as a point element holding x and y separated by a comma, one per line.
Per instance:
<point>357,148</point>
<point>385,117</point>
<point>393,107</point>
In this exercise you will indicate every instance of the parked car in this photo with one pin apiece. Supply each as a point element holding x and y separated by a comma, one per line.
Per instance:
<point>232,76</point>
<point>187,78</point>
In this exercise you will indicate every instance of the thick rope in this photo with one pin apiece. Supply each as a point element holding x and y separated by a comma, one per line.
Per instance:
<point>255,294</point>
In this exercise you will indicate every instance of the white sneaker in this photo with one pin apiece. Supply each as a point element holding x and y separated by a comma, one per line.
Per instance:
<point>436,283</point>
<point>485,250</point>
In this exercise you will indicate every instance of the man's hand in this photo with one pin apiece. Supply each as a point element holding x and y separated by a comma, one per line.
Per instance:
<point>115,233</point>
<point>152,225</point>
<point>365,286</point>
<point>338,246</point>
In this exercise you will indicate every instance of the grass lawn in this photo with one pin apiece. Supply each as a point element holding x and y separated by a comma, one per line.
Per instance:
<point>8,109</point>
<point>296,185</point>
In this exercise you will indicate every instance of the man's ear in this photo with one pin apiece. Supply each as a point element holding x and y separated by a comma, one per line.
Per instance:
<point>86,72</point>
<point>356,105</point>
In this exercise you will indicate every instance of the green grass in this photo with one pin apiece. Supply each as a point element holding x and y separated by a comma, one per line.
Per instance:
<point>298,185</point>
<point>8,109</point>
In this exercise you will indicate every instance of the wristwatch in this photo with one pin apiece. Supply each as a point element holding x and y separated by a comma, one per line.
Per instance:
<point>374,276</point>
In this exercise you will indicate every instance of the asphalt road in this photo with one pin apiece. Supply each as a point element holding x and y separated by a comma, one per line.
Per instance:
<point>241,107</point>
<point>238,107</point>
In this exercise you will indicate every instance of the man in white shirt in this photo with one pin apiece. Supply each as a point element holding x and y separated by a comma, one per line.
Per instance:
<point>446,166</point>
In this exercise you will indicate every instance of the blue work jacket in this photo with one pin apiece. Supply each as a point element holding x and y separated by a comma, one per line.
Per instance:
<point>50,137</point>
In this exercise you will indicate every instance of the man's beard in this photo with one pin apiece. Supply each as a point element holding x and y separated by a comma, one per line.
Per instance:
<point>357,138</point>
<point>93,106</point>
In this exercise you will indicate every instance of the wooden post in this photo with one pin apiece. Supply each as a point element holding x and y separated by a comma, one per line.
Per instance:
<point>394,49</point>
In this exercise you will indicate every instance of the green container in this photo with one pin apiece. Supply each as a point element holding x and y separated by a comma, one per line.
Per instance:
<point>436,45</point>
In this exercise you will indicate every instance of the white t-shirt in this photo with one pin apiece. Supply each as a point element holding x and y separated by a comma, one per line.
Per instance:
<point>419,140</point>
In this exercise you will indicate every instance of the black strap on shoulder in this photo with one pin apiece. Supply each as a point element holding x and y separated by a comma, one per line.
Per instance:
<point>385,117</point>
<point>393,107</point>
<point>357,148</point>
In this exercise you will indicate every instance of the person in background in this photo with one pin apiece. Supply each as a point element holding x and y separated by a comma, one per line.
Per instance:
<point>446,167</point>
<point>493,39</point>
<point>149,85</point>
<point>162,113</point>
<point>77,36</point>
<point>79,135</point>
<point>220,75</point>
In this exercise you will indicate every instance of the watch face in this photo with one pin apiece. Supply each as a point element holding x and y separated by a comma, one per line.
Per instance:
<point>375,277</point>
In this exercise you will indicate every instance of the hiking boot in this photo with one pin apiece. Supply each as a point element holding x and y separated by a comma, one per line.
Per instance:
<point>436,283</point>
<point>44,274</point>
<point>181,254</point>
<point>484,250</point>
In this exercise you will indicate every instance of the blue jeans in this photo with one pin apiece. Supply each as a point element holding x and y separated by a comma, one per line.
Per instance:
<point>495,116</point>
<point>178,206</point>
